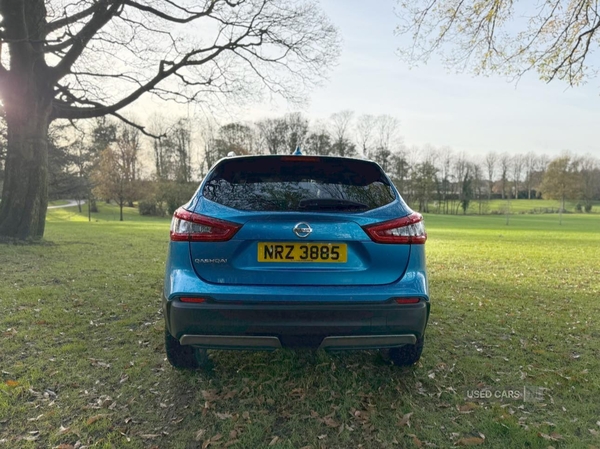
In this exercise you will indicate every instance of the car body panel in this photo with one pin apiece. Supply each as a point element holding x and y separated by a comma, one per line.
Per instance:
<point>181,280</point>
<point>236,261</point>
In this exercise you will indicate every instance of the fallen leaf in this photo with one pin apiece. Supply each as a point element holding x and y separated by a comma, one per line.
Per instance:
<point>322,437</point>
<point>99,363</point>
<point>199,434</point>
<point>330,422</point>
<point>95,418</point>
<point>297,392</point>
<point>212,440</point>
<point>274,441</point>
<point>467,408</point>
<point>552,437</point>
<point>150,436</point>
<point>230,394</point>
<point>405,421</point>
<point>594,432</point>
<point>470,441</point>
<point>65,446</point>
<point>210,395</point>
<point>416,441</point>
<point>12,383</point>
<point>223,415</point>
<point>10,332</point>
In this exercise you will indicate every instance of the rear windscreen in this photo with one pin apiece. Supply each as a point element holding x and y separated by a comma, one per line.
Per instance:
<point>292,183</point>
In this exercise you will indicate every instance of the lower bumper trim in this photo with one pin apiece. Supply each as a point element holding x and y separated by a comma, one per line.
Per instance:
<point>231,342</point>
<point>270,343</point>
<point>366,342</point>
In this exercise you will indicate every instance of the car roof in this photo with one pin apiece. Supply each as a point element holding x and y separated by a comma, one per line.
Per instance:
<point>299,156</point>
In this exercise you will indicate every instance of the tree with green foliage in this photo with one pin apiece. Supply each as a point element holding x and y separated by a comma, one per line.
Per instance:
<point>400,173</point>
<point>466,193</point>
<point>318,142</point>
<point>180,137</point>
<point>237,138</point>
<point>423,183</point>
<point>63,177</point>
<point>114,176</point>
<point>561,181</point>
<point>590,181</point>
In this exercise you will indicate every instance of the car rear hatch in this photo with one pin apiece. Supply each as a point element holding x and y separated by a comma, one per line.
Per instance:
<point>298,220</point>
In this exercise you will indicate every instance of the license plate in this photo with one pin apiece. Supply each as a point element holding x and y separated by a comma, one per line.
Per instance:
<point>302,252</point>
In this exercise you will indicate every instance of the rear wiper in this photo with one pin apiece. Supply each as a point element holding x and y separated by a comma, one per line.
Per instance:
<point>330,204</point>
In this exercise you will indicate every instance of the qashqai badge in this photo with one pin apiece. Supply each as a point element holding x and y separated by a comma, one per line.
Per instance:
<point>302,230</point>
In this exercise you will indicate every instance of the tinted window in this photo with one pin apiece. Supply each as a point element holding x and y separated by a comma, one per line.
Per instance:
<point>298,183</point>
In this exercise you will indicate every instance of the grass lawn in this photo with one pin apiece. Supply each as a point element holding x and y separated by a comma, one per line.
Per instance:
<point>57,203</point>
<point>531,206</point>
<point>81,349</point>
<point>521,206</point>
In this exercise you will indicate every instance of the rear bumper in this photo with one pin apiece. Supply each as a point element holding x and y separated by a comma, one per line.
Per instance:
<point>217,325</point>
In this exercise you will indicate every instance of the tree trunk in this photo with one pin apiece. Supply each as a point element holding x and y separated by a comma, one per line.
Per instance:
<point>25,192</point>
<point>27,94</point>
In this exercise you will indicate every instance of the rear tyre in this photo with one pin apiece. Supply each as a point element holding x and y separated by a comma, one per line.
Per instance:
<point>407,355</point>
<point>184,356</point>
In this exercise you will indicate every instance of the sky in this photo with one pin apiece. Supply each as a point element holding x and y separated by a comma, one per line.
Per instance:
<point>441,108</point>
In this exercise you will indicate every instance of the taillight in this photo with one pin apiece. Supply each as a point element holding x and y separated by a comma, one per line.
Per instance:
<point>188,226</point>
<point>409,229</point>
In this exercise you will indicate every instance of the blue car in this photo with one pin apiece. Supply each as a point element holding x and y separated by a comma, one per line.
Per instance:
<point>295,251</point>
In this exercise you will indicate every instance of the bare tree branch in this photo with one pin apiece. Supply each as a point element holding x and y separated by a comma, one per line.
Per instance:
<point>191,16</point>
<point>100,17</point>
<point>69,20</point>
<point>555,38</point>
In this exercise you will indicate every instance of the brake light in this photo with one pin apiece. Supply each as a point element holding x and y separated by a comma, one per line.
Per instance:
<point>188,226</point>
<point>408,230</point>
<point>407,300</point>
<point>194,300</point>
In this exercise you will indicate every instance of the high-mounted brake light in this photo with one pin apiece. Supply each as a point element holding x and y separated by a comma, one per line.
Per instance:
<point>408,230</point>
<point>301,159</point>
<point>188,226</point>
